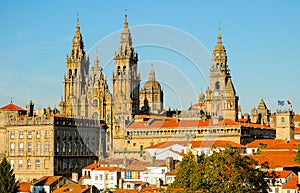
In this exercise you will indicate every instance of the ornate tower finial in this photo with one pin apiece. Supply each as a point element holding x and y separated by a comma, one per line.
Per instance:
<point>125,21</point>
<point>219,34</point>
<point>77,20</point>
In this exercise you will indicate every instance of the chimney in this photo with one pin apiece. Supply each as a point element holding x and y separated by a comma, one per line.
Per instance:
<point>158,183</point>
<point>153,158</point>
<point>75,176</point>
<point>125,162</point>
<point>169,163</point>
<point>120,183</point>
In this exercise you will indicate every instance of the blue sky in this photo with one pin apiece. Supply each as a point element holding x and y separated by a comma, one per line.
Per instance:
<point>261,37</point>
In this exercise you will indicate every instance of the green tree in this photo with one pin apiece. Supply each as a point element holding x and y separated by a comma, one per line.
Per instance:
<point>223,171</point>
<point>188,169</point>
<point>297,158</point>
<point>8,182</point>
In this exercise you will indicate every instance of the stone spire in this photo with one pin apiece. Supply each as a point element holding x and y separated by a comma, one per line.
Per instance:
<point>97,62</point>
<point>152,74</point>
<point>77,51</point>
<point>125,40</point>
<point>219,54</point>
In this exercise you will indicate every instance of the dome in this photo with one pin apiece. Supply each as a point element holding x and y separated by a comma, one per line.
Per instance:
<point>152,84</point>
<point>201,96</point>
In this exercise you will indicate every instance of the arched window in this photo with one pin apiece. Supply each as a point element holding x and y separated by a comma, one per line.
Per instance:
<point>28,164</point>
<point>217,85</point>
<point>95,116</point>
<point>119,70</point>
<point>217,66</point>
<point>124,69</point>
<point>12,148</point>
<point>95,103</point>
<point>70,73</point>
<point>75,72</point>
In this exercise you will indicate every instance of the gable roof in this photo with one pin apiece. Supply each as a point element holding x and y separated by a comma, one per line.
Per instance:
<point>279,174</point>
<point>268,142</point>
<point>12,107</point>
<point>73,188</point>
<point>46,180</point>
<point>23,186</point>
<point>277,159</point>
<point>292,183</point>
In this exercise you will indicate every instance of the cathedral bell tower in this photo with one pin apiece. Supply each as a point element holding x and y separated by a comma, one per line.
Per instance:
<point>126,79</point>
<point>77,68</point>
<point>222,101</point>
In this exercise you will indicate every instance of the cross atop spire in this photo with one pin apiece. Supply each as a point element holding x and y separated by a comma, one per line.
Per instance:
<point>219,34</point>
<point>125,21</point>
<point>77,20</point>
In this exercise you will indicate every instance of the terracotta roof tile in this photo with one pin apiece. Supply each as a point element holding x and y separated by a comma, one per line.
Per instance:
<point>24,186</point>
<point>297,118</point>
<point>110,169</point>
<point>276,159</point>
<point>206,143</point>
<point>279,174</point>
<point>216,143</point>
<point>47,180</point>
<point>292,183</point>
<point>73,188</point>
<point>12,107</point>
<point>91,166</point>
<point>268,142</point>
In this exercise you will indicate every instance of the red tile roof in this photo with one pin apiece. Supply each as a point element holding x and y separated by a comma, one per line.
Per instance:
<point>268,142</point>
<point>110,169</point>
<point>47,180</point>
<point>73,188</point>
<point>195,144</point>
<point>173,123</point>
<point>277,159</point>
<point>24,186</point>
<point>278,174</point>
<point>12,107</point>
<point>292,183</point>
<point>216,143</point>
<point>91,166</point>
<point>297,118</point>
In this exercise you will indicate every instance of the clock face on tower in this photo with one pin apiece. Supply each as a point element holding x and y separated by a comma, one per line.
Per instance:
<point>216,93</point>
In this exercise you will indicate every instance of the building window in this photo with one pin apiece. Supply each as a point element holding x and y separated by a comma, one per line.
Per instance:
<point>217,85</point>
<point>47,147</point>
<point>20,163</point>
<point>128,186</point>
<point>64,147</point>
<point>119,70</point>
<point>12,134</point>
<point>47,134</point>
<point>12,163</point>
<point>38,147</point>
<point>28,164</point>
<point>37,164</point>
<point>57,147</point>
<point>38,134</point>
<point>12,148</point>
<point>95,103</point>
<point>95,116</point>
<point>70,147</point>
<point>29,134</point>
<point>21,134</point>
<point>29,147</point>
<point>111,177</point>
<point>96,177</point>
<point>21,147</point>
<point>282,119</point>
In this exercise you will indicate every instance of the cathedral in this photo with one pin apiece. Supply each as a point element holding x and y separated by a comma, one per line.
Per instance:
<point>87,95</point>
